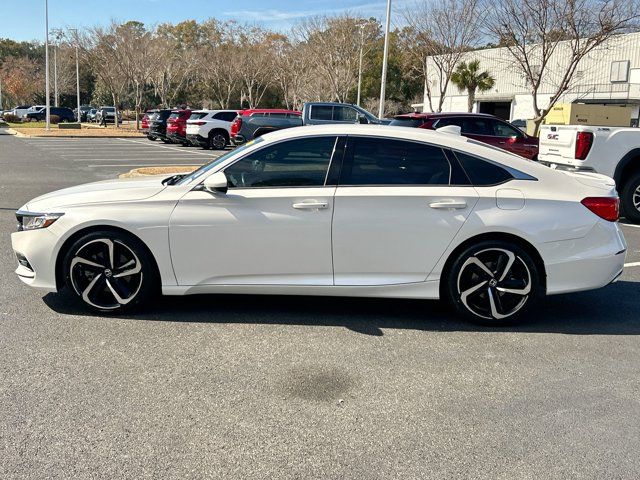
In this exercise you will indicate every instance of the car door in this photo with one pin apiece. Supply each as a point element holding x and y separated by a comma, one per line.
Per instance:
<point>397,207</point>
<point>272,227</point>
<point>513,139</point>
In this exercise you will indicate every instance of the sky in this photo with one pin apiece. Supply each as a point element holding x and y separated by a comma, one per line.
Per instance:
<point>24,19</point>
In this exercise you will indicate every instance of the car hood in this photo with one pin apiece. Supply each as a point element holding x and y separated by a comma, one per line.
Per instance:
<point>108,191</point>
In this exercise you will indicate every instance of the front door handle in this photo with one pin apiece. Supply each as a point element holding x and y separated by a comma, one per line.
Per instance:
<point>311,205</point>
<point>448,204</point>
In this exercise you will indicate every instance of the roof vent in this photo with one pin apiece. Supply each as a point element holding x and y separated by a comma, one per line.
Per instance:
<point>450,129</point>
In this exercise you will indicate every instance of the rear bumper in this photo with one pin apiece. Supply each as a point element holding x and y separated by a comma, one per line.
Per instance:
<point>566,166</point>
<point>587,263</point>
<point>177,138</point>
<point>195,139</point>
<point>238,140</point>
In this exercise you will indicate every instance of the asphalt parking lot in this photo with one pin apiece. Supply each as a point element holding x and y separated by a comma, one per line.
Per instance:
<point>295,387</point>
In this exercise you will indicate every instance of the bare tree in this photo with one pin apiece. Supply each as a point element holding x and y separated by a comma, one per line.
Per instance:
<point>333,46</point>
<point>438,35</point>
<point>547,39</point>
<point>139,56</point>
<point>99,48</point>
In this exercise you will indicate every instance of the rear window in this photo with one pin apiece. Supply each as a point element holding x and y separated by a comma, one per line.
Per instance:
<point>406,122</point>
<point>482,172</point>
<point>197,115</point>
<point>109,109</point>
<point>174,116</point>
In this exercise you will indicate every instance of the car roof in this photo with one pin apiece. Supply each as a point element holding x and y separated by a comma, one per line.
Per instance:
<point>267,110</point>
<point>434,137</point>
<point>426,115</point>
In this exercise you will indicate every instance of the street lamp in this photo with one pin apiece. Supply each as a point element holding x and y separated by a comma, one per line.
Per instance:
<point>58,34</point>
<point>362,27</point>
<point>383,80</point>
<point>46,61</point>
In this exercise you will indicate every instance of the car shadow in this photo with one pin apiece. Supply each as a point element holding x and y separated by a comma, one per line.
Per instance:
<point>613,310</point>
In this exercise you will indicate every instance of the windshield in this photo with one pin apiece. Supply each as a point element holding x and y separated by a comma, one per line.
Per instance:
<point>109,109</point>
<point>214,163</point>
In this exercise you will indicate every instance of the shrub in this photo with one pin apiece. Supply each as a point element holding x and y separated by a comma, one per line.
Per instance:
<point>11,118</point>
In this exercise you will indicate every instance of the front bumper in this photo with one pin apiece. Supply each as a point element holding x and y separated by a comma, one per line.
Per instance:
<point>39,249</point>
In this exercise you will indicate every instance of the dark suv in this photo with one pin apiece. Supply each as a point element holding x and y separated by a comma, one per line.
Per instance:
<point>479,126</point>
<point>63,113</point>
<point>158,125</point>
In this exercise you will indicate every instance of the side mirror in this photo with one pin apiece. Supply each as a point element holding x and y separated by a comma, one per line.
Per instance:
<point>216,183</point>
<point>362,119</point>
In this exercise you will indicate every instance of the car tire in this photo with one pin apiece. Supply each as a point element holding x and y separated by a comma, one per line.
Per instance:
<point>153,139</point>
<point>110,272</point>
<point>217,141</point>
<point>493,283</point>
<point>630,199</point>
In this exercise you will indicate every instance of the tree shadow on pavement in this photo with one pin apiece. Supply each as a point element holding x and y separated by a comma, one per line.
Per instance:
<point>613,310</point>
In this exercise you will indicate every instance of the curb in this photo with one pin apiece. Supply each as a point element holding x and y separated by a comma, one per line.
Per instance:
<point>140,172</point>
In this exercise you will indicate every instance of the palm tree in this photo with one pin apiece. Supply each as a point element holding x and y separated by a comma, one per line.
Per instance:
<point>469,77</point>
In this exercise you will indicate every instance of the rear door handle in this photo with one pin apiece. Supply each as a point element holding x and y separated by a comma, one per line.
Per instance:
<point>448,204</point>
<point>311,205</point>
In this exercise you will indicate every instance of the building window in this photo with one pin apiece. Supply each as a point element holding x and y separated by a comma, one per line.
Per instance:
<point>619,71</point>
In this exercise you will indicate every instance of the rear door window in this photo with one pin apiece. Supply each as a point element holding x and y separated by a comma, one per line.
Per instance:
<point>502,129</point>
<point>383,161</point>
<point>321,112</point>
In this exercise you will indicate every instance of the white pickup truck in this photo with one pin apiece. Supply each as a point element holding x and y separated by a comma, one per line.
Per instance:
<point>611,151</point>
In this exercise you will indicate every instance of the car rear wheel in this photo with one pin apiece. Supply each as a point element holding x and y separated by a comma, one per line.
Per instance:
<point>217,141</point>
<point>110,272</point>
<point>493,283</point>
<point>630,199</point>
<point>152,138</point>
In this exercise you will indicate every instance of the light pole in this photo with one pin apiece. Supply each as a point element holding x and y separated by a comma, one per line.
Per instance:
<point>362,26</point>
<point>46,61</point>
<point>383,80</point>
<point>75,32</point>
<point>58,34</point>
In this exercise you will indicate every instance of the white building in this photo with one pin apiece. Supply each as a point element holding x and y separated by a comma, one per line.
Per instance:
<point>608,75</point>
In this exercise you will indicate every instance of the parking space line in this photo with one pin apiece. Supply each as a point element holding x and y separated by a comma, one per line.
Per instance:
<point>630,225</point>
<point>145,166</point>
<point>161,146</point>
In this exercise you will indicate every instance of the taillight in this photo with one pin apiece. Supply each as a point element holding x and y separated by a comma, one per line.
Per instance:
<point>584,140</point>
<point>604,207</point>
<point>235,126</point>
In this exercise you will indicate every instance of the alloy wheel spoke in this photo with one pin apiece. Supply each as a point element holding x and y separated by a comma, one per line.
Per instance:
<point>516,291</point>
<point>464,295</point>
<point>137,267</point>
<point>92,284</point>
<point>492,304</point>
<point>84,261</point>
<point>476,261</point>
<point>511,258</point>
<point>116,295</point>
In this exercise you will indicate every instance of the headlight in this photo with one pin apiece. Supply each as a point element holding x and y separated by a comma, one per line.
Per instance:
<point>33,221</point>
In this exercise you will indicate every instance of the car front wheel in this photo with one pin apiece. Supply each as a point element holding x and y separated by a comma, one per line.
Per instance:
<point>110,272</point>
<point>493,283</point>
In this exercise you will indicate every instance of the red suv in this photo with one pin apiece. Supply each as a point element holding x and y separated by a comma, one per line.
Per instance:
<point>479,126</point>
<point>177,126</point>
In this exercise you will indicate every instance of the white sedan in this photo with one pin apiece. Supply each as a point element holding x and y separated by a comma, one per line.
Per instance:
<point>333,210</point>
